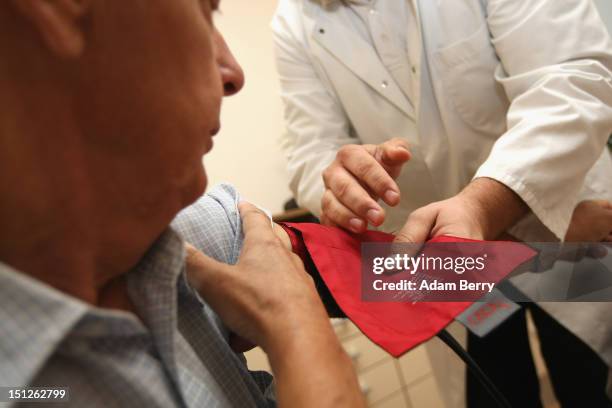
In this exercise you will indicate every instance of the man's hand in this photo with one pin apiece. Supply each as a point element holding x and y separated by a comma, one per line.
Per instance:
<point>270,300</point>
<point>591,222</point>
<point>361,175</point>
<point>591,225</point>
<point>267,295</point>
<point>483,210</point>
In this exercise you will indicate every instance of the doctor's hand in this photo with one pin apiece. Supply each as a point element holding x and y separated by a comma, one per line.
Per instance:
<point>482,211</point>
<point>359,176</point>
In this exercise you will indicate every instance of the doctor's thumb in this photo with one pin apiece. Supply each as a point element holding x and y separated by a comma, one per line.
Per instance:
<point>394,152</point>
<point>415,232</point>
<point>412,233</point>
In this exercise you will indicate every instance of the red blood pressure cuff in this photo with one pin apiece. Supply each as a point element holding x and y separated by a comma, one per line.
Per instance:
<point>333,257</point>
<point>299,248</point>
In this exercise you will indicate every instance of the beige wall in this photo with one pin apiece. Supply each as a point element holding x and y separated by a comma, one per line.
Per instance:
<point>246,151</point>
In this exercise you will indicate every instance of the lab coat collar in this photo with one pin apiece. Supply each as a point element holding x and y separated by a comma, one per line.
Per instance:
<point>361,58</point>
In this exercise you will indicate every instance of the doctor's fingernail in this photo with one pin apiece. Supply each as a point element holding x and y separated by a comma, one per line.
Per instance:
<point>356,225</point>
<point>374,216</point>
<point>391,197</point>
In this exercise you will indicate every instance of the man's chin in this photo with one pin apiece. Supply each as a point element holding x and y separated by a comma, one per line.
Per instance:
<point>196,189</point>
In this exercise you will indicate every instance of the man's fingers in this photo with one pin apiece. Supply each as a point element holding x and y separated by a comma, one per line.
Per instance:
<point>297,262</point>
<point>255,223</point>
<point>352,196</point>
<point>608,206</point>
<point>202,269</point>
<point>602,203</point>
<point>607,210</point>
<point>370,173</point>
<point>597,251</point>
<point>340,215</point>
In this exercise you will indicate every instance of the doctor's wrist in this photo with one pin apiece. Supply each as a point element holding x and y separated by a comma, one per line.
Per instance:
<point>497,207</point>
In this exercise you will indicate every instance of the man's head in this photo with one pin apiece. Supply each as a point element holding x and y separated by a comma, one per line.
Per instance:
<point>108,108</point>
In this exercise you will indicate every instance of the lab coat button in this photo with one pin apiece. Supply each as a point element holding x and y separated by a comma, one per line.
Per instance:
<point>322,30</point>
<point>384,84</point>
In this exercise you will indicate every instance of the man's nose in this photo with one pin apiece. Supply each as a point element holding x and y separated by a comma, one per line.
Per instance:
<point>231,72</point>
<point>233,79</point>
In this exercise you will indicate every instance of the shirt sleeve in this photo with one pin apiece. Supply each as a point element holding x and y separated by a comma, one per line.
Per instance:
<point>213,225</point>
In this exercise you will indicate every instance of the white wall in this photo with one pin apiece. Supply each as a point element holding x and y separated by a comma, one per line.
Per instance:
<point>246,151</point>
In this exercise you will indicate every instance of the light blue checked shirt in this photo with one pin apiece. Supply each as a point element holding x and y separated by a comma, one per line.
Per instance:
<point>109,358</point>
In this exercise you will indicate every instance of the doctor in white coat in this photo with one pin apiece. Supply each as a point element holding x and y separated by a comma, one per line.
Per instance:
<point>506,106</point>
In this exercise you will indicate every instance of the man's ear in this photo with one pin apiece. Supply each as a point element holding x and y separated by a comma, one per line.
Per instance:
<point>57,21</point>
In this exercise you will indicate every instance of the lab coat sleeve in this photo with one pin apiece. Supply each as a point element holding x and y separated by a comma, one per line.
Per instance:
<point>316,124</point>
<point>555,66</point>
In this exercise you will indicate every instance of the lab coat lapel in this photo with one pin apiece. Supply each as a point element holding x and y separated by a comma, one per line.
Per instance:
<point>422,60</point>
<point>361,58</point>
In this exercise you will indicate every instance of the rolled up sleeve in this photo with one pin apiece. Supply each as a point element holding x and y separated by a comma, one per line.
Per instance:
<point>556,68</point>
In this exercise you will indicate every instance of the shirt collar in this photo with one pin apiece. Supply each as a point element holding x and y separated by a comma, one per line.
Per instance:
<point>36,317</point>
<point>152,287</point>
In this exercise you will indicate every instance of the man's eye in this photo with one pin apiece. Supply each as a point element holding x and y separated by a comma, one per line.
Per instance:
<point>208,7</point>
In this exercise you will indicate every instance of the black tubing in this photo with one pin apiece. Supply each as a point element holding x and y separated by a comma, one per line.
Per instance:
<point>474,369</point>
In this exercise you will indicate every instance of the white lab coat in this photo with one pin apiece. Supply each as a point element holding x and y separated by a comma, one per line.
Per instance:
<point>516,90</point>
